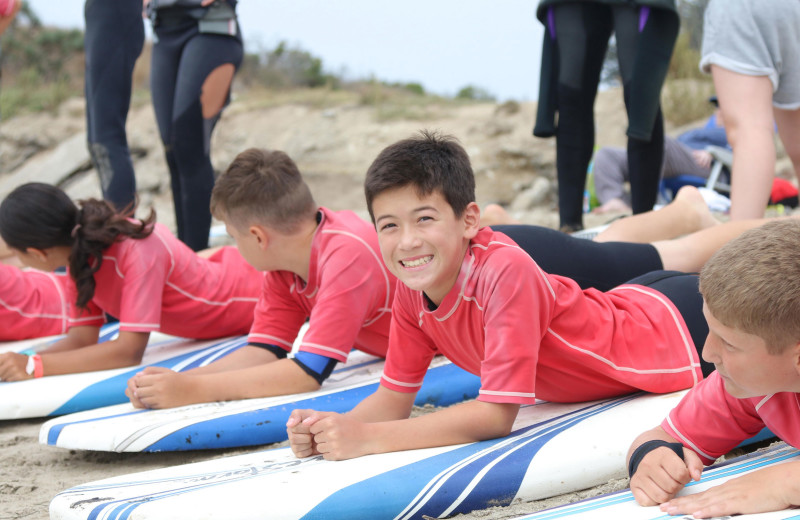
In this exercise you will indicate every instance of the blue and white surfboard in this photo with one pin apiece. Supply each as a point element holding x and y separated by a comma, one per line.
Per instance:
<point>622,506</point>
<point>553,449</point>
<point>58,395</point>
<point>246,422</point>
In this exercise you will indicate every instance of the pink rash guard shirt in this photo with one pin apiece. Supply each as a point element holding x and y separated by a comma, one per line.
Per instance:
<point>346,298</point>
<point>530,335</point>
<point>158,284</point>
<point>34,304</point>
<point>711,422</point>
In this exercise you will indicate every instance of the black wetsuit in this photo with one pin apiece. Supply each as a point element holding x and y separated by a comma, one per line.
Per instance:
<point>189,46</point>
<point>575,43</point>
<point>113,40</point>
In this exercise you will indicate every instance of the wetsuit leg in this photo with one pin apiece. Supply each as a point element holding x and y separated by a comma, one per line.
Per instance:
<point>185,132</point>
<point>582,31</point>
<point>113,40</point>
<point>645,38</point>
<point>599,265</point>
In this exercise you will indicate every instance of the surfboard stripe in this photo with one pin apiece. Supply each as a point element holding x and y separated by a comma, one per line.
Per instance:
<point>107,391</point>
<point>464,485</point>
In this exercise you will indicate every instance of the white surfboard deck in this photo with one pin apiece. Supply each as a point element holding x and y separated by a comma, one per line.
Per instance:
<point>248,422</point>
<point>622,506</point>
<point>554,449</point>
<point>108,331</point>
<point>57,395</point>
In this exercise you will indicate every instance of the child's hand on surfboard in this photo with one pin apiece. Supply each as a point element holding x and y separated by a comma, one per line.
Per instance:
<point>159,387</point>
<point>298,428</point>
<point>661,474</point>
<point>770,489</point>
<point>332,435</point>
<point>12,367</point>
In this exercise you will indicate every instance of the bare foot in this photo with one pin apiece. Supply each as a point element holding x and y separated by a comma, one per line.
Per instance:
<point>495,214</point>
<point>614,205</point>
<point>691,198</point>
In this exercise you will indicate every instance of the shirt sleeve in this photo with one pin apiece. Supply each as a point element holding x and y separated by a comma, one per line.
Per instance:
<point>352,288</point>
<point>518,306</point>
<point>710,421</point>
<point>410,349</point>
<point>278,317</point>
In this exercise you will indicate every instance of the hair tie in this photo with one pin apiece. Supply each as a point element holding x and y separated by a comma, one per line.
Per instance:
<point>74,232</point>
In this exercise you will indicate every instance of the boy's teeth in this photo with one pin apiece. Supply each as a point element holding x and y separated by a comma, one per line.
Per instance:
<point>418,262</point>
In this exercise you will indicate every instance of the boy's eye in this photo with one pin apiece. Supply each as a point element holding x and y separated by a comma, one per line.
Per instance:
<point>425,217</point>
<point>386,226</point>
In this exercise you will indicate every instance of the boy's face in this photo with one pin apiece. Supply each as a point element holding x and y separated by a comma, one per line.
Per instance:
<point>421,240</point>
<point>746,367</point>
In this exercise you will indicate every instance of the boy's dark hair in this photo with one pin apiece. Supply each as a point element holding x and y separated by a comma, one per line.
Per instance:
<point>428,161</point>
<point>265,187</point>
<point>41,216</point>
<point>752,284</point>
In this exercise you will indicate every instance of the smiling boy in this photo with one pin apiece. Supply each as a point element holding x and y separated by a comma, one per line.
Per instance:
<point>750,288</point>
<point>476,297</point>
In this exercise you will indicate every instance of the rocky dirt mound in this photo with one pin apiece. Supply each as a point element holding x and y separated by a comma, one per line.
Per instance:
<point>333,147</point>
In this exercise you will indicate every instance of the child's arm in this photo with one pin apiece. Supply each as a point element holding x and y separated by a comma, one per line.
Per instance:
<point>661,473</point>
<point>253,372</point>
<point>768,489</point>
<point>379,424</point>
<point>79,352</point>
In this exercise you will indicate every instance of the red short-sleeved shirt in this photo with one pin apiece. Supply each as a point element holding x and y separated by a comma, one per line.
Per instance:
<point>158,284</point>
<point>33,303</point>
<point>529,334</point>
<point>711,421</point>
<point>346,298</point>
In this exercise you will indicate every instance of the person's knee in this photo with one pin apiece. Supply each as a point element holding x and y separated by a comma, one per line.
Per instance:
<point>214,92</point>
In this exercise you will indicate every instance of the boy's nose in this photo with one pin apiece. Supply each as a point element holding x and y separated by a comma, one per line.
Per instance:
<point>710,352</point>
<point>408,239</point>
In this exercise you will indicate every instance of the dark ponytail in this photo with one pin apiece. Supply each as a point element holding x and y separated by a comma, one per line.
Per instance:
<point>42,216</point>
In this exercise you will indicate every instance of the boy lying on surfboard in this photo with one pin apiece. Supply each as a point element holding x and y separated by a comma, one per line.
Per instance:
<point>326,266</point>
<point>319,265</point>
<point>473,295</point>
<point>751,289</point>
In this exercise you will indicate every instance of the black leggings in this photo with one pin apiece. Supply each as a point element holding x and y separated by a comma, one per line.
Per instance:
<point>601,265</point>
<point>113,40</point>
<point>183,57</point>
<point>582,30</point>
<point>683,290</point>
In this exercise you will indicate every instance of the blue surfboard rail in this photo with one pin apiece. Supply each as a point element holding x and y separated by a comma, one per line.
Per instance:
<point>443,386</point>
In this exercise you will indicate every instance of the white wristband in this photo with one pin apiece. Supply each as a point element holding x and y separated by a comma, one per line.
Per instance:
<point>31,366</point>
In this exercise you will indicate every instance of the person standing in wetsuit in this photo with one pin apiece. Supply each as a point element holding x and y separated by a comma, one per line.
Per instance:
<point>112,42</point>
<point>575,42</point>
<point>198,48</point>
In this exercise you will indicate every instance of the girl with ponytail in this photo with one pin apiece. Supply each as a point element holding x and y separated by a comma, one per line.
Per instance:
<point>134,270</point>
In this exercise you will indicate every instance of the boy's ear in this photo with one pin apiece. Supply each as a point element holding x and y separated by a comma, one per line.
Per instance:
<point>796,358</point>
<point>261,234</point>
<point>472,220</point>
<point>39,254</point>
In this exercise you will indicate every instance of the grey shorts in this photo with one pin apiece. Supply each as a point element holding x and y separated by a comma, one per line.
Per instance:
<point>756,38</point>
